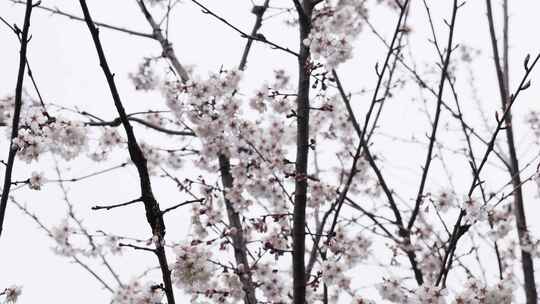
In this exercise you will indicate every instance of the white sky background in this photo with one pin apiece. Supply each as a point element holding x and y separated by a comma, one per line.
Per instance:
<point>66,69</point>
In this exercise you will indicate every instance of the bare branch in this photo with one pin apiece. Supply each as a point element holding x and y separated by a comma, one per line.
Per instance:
<point>168,51</point>
<point>258,38</point>
<point>519,210</point>
<point>109,207</point>
<point>57,11</point>
<point>182,204</point>
<point>432,138</point>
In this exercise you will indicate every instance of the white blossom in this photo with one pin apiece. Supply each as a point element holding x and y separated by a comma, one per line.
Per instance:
<point>12,293</point>
<point>36,181</point>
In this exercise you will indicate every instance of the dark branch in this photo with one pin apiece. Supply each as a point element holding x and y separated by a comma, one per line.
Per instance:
<point>153,212</point>
<point>17,112</point>
<point>117,205</point>
<point>200,200</point>
<point>59,12</point>
<point>258,38</point>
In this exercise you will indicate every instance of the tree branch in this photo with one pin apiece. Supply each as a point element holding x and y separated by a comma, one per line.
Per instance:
<point>117,205</point>
<point>17,112</point>
<point>182,204</point>
<point>459,229</point>
<point>168,51</point>
<point>57,11</point>
<point>432,138</point>
<point>243,34</point>
<point>153,212</point>
<point>116,122</point>
<point>519,210</point>
<point>301,164</point>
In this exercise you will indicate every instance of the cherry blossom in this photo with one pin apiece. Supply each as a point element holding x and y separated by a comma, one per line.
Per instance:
<point>335,25</point>
<point>245,153</point>
<point>138,293</point>
<point>12,293</point>
<point>35,181</point>
<point>145,78</point>
<point>192,269</point>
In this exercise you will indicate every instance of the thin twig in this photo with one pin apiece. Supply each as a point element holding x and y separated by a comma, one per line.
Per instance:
<point>57,11</point>
<point>109,207</point>
<point>243,34</point>
<point>182,204</point>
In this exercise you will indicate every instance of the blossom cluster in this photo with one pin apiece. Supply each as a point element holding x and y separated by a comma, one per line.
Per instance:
<point>334,27</point>
<point>108,140</point>
<point>444,201</point>
<point>36,181</point>
<point>352,249</point>
<point>533,120</point>
<point>474,292</point>
<point>254,135</point>
<point>195,273</point>
<point>273,286</point>
<point>333,274</point>
<point>145,79</point>
<point>39,133</point>
<point>191,269</point>
<point>12,294</point>
<point>475,210</point>
<point>137,293</point>
<point>360,300</point>
<point>7,104</point>
<point>390,289</point>
<point>501,221</point>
